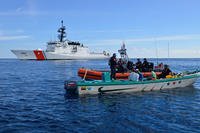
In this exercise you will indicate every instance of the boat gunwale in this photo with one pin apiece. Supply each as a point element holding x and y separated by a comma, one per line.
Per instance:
<point>127,82</point>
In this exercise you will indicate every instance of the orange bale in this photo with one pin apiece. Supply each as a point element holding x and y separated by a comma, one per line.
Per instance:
<point>97,75</point>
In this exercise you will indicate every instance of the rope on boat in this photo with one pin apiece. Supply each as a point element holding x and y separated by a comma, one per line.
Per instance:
<point>85,74</point>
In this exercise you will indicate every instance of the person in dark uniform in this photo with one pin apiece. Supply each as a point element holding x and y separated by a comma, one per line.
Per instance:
<point>113,65</point>
<point>120,68</point>
<point>166,71</point>
<point>130,65</point>
<point>138,65</point>
<point>145,65</point>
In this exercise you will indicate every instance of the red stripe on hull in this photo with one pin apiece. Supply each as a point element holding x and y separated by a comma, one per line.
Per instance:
<point>39,55</point>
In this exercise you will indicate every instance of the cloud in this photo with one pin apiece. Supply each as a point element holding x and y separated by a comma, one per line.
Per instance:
<point>1,32</point>
<point>30,9</point>
<point>148,47</point>
<point>19,31</point>
<point>13,31</point>
<point>143,52</point>
<point>147,39</point>
<point>167,38</point>
<point>19,9</point>
<point>18,37</point>
<point>108,31</point>
<point>23,13</point>
<point>17,34</point>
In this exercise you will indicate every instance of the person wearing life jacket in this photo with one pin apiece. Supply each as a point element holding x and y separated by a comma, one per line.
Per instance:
<point>140,74</point>
<point>153,74</point>
<point>165,72</point>
<point>113,65</point>
<point>120,68</point>
<point>134,76</point>
<point>159,67</point>
<point>129,65</point>
<point>138,65</point>
<point>145,65</point>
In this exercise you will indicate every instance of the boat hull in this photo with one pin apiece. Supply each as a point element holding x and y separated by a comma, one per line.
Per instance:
<point>42,55</point>
<point>96,87</point>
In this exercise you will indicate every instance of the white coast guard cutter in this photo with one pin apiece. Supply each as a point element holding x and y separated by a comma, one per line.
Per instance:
<point>61,50</point>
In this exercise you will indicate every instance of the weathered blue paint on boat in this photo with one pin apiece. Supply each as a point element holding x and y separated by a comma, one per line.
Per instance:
<point>95,87</point>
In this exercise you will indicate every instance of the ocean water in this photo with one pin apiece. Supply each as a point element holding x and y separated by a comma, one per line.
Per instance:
<point>32,99</point>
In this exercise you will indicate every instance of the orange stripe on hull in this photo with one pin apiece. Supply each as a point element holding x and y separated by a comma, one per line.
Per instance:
<point>39,55</point>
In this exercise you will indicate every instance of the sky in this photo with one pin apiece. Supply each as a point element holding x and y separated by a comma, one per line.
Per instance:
<point>149,28</point>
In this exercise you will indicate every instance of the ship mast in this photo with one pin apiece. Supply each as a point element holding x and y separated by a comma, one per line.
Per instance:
<point>62,33</point>
<point>123,53</point>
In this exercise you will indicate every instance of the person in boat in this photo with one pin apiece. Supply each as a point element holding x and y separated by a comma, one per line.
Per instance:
<point>153,74</point>
<point>138,64</point>
<point>151,66</point>
<point>165,72</point>
<point>120,68</point>
<point>159,67</point>
<point>140,75</point>
<point>124,65</point>
<point>134,76</point>
<point>130,65</point>
<point>113,65</point>
<point>145,65</point>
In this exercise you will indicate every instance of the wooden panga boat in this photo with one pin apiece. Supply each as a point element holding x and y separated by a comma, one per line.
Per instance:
<point>97,75</point>
<point>108,86</point>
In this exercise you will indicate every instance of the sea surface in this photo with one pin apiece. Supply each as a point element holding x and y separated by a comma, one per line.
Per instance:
<point>33,100</point>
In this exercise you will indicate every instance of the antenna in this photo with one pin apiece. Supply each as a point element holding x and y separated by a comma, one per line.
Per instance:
<point>168,52</point>
<point>156,51</point>
<point>62,22</point>
<point>62,33</point>
<point>168,49</point>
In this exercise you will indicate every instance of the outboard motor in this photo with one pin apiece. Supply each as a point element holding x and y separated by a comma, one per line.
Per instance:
<point>71,87</point>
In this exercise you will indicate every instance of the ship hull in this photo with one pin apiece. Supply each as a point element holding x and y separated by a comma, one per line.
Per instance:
<point>24,54</point>
<point>42,55</point>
